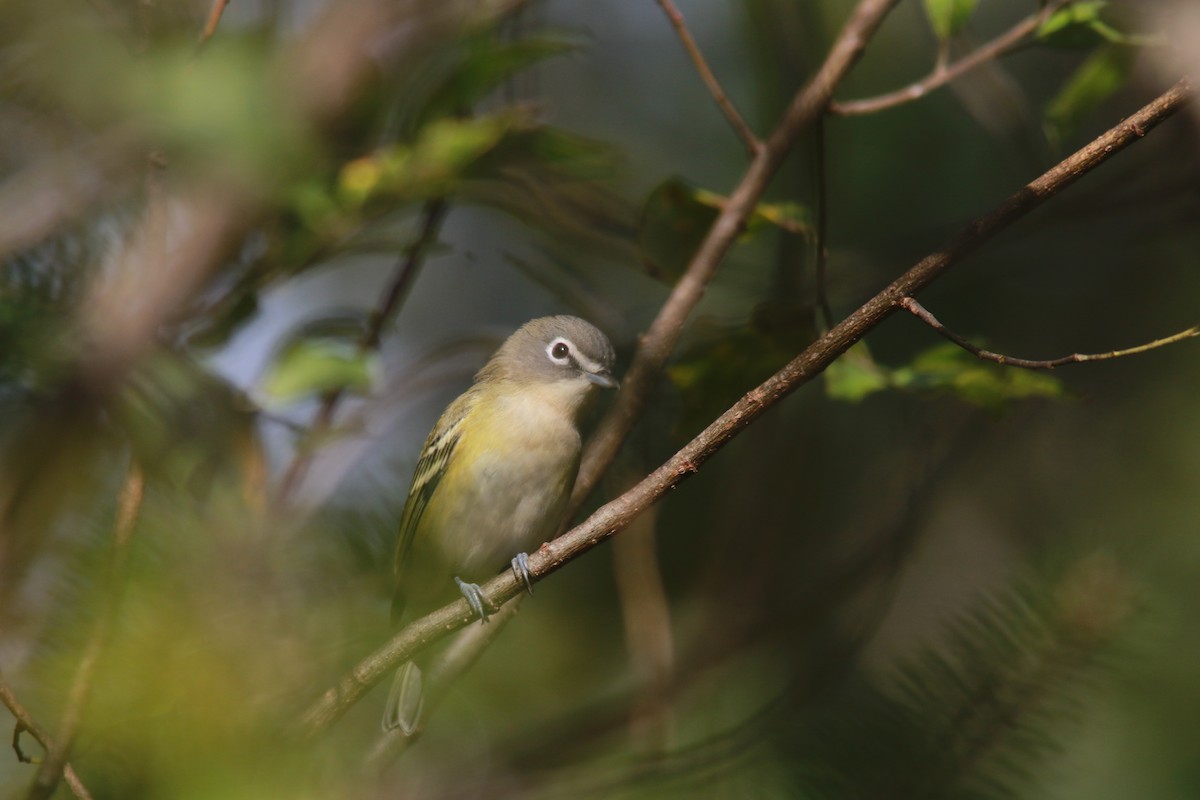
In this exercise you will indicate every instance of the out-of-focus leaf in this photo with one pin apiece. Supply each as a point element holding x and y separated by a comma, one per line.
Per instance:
<point>1082,25</point>
<point>487,61</point>
<point>947,17</point>
<point>714,374</point>
<point>676,217</point>
<point>222,112</point>
<point>673,223</point>
<point>943,368</point>
<point>431,166</point>
<point>556,182</point>
<point>568,153</point>
<point>791,217</point>
<point>185,422</point>
<point>323,212</point>
<point>215,328</point>
<point>315,365</point>
<point>855,375</point>
<point>1097,78</point>
<point>948,367</point>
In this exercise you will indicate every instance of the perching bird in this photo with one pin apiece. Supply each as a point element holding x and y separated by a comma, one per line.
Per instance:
<point>494,476</point>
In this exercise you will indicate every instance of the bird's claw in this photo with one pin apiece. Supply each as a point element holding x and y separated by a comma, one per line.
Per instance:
<point>520,568</point>
<point>474,597</point>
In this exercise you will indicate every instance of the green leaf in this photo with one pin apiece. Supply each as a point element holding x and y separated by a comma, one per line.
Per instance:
<point>855,375</point>
<point>1083,25</point>
<point>947,17</point>
<point>791,217</point>
<point>676,217</point>
<point>673,223</point>
<point>947,367</point>
<point>431,166</point>
<point>315,365</point>
<point>1095,80</point>
<point>223,112</point>
<point>486,61</point>
<point>222,322</point>
<point>729,360</point>
<point>559,183</point>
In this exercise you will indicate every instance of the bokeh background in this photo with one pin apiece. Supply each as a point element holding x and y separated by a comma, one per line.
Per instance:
<point>919,576</point>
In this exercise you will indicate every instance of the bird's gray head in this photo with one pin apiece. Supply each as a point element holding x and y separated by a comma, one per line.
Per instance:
<point>555,350</point>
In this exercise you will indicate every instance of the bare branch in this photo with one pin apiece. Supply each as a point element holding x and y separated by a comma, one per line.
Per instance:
<point>51,769</point>
<point>753,145</point>
<point>432,215</point>
<point>920,312</point>
<point>26,722</point>
<point>943,73</point>
<point>616,515</point>
<point>658,342</point>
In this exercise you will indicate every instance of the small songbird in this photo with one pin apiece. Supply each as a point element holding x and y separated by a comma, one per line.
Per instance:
<point>494,476</point>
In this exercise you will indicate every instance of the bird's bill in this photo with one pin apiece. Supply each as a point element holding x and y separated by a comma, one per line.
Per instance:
<point>603,379</point>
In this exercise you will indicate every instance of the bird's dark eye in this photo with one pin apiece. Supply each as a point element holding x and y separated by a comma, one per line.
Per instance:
<point>560,350</point>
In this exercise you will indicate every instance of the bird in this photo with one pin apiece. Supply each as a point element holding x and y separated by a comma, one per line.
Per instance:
<point>494,476</point>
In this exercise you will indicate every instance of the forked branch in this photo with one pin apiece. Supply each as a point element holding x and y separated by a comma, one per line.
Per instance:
<point>943,72</point>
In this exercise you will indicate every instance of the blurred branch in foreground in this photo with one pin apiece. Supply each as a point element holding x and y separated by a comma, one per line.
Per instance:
<point>128,507</point>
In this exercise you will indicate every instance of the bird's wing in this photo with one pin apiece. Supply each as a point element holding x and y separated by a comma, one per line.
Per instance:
<point>431,467</point>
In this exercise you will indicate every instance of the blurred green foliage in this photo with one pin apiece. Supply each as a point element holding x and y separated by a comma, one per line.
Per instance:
<point>947,17</point>
<point>943,368</point>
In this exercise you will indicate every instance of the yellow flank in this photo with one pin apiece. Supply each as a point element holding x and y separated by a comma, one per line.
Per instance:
<point>506,482</point>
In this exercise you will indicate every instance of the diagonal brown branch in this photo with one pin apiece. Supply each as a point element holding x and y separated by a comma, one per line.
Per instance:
<point>753,145</point>
<point>658,342</point>
<point>210,25</point>
<point>919,311</point>
<point>128,506</point>
<point>619,513</point>
<point>944,73</point>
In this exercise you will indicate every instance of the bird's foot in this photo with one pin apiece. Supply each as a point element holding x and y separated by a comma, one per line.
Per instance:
<point>520,568</point>
<point>474,597</point>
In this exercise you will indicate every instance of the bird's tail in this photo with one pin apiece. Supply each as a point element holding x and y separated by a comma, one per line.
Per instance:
<point>405,700</point>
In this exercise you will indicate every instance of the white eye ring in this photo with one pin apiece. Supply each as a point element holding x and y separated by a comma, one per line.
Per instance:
<point>559,351</point>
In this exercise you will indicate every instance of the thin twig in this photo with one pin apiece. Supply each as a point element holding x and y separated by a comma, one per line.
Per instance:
<point>432,215</point>
<point>26,722</point>
<point>944,73</point>
<point>51,769</point>
<point>659,341</point>
<point>617,514</point>
<point>752,142</point>
<point>919,311</point>
<point>210,26</point>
